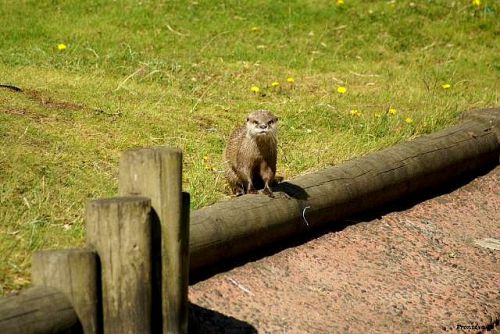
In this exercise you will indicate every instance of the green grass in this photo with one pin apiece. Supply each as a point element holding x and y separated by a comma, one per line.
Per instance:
<point>145,73</point>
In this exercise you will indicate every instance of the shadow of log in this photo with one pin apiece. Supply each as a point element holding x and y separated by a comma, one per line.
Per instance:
<point>205,321</point>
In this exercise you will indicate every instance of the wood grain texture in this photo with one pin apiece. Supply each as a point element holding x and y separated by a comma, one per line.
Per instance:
<point>38,310</point>
<point>119,229</point>
<point>157,174</point>
<point>73,272</point>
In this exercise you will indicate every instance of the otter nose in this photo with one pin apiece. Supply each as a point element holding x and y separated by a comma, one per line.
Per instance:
<point>263,126</point>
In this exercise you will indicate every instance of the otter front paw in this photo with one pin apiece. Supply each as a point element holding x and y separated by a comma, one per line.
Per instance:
<point>238,193</point>
<point>268,192</point>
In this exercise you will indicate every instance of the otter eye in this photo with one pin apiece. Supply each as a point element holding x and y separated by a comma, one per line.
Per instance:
<point>271,122</point>
<point>255,122</point>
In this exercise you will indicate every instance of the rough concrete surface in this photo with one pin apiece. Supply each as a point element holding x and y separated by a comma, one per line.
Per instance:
<point>431,267</point>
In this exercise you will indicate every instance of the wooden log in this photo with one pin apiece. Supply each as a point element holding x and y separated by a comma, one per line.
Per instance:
<point>239,226</point>
<point>157,173</point>
<point>38,310</point>
<point>73,272</point>
<point>489,117</point>
<point>119,230</point>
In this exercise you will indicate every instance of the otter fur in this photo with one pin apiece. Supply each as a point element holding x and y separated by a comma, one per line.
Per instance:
<point>251,153</point>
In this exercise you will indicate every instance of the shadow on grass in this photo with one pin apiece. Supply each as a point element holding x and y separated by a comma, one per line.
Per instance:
<point>205,321</point>
<point>404,203</point>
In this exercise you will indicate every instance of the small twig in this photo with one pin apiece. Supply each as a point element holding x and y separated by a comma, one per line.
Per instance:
<point>93,51</point>
<point>129,77</point>
<point>340,27</point>
<point>175,32</point>
<point>150,74</point>
<point>240,286</point>
<point>427,47</point>
<point>26,203</point>
<point>11,87</point>
<point>24,133</point>
<point>364,75</point>
<point>337,80</point>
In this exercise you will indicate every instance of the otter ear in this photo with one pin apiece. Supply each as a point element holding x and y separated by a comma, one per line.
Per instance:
<point>276,119</point>
<point>248,119</point>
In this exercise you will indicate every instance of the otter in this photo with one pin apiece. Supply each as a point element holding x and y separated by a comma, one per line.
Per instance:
<point>251,153</point>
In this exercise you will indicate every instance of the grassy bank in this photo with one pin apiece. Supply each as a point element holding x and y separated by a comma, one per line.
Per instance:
<point>100,77</point>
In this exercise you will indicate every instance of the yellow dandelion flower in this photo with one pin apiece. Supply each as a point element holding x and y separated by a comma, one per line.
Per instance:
<point>408,120</point>
<point>61,46</point>
<point>254,29</point>
<point>341,90</point>
<point>355,112</point>
<point>205,157</point>
<point>340,2</point>
<point>446,86</point>
<point>377,114</point>
<point>275,83</point>
<point>255,89</point>
<point>476,3</point>
<point>392,111</point>
<point>290,80</point>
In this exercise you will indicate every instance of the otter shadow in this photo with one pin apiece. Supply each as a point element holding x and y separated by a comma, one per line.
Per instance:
<point>292,190</point>
<point>205,321</point>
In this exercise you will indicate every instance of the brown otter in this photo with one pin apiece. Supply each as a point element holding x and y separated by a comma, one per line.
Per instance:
<point>250,155</point>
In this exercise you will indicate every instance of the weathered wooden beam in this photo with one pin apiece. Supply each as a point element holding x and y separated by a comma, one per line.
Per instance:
<point>489,117</point>
<point>38,310</point>
<point>119,229</point>
<point>157,174</point>
<point>73,272</point>
<point>235,227</point>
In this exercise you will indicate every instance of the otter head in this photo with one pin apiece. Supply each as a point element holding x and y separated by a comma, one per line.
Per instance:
<point>262,123</point>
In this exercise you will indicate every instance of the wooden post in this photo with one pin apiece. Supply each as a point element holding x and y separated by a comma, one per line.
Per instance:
<point>38,310</point>
<point>157,173</point>
<point>73,272</point>
<point>120,231</point>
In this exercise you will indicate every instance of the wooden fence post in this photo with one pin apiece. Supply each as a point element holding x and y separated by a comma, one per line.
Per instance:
<point>157,174</point>
<point>74,273</point>
<point>120,231</point>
